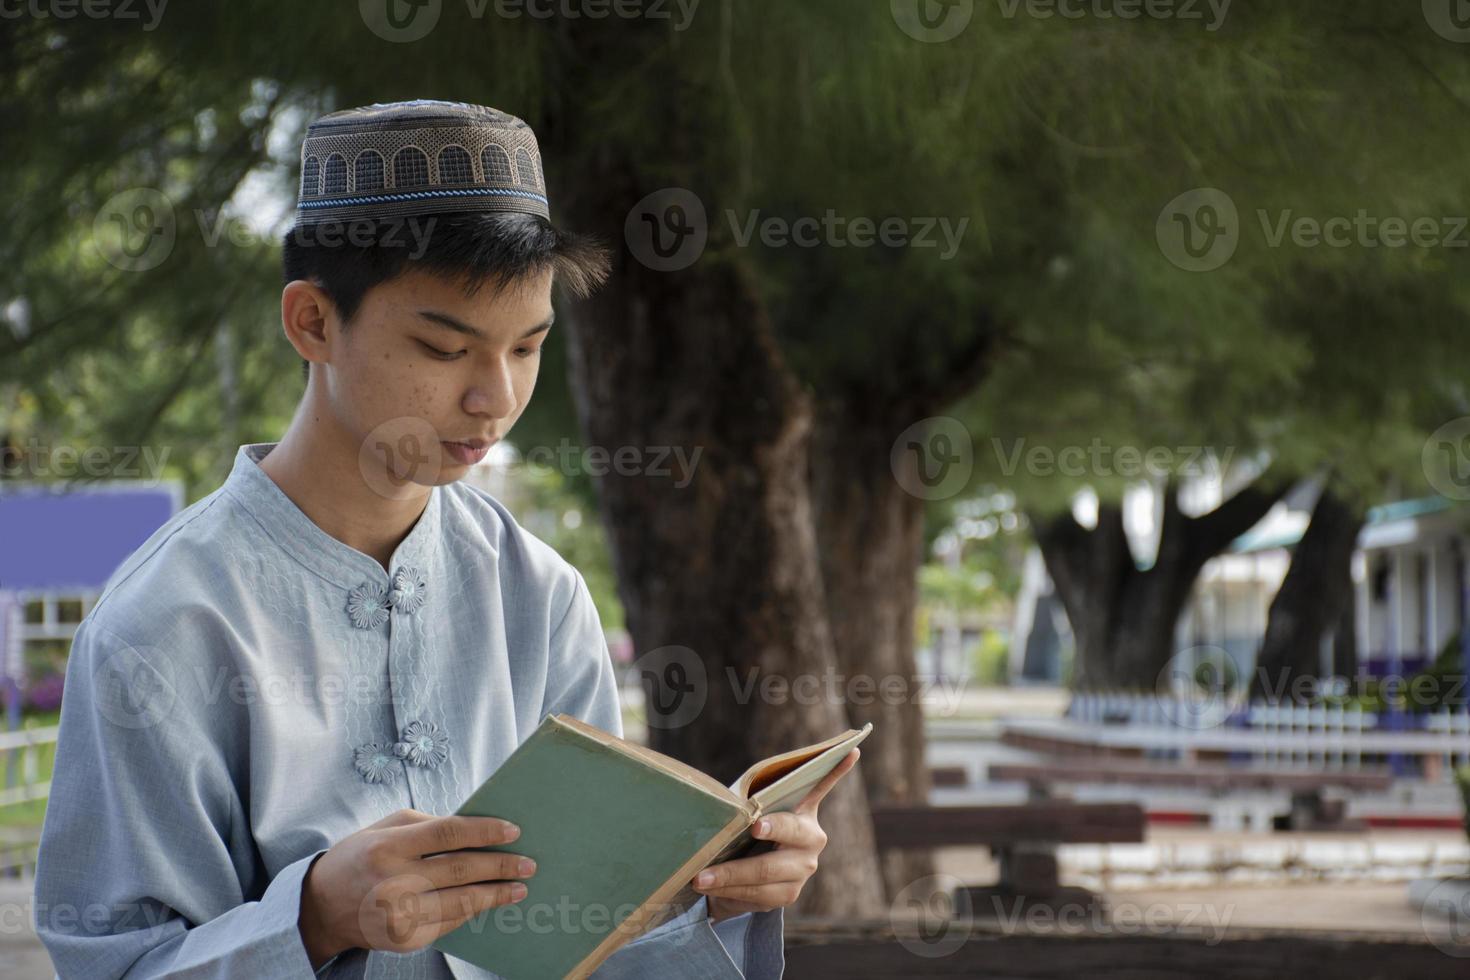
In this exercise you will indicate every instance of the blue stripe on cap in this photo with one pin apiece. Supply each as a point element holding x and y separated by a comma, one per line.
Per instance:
<point>420,195</point>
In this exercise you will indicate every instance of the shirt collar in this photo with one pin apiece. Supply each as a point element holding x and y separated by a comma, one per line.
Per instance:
<point>298,535</point>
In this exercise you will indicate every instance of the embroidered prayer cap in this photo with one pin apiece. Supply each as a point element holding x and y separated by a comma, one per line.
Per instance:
<point>391,160</point>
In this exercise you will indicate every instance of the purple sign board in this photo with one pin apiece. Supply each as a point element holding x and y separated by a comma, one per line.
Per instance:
<point>73,540</point>
<point>68,541</point>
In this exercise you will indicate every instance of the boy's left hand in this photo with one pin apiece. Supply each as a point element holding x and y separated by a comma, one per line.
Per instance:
<point>774,879</point>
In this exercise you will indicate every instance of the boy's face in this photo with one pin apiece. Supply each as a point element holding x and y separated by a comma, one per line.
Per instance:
<point>426,379</point>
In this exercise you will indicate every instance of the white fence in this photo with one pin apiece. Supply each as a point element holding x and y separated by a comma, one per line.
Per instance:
<point>20,754</point>
<point>1285,735</point>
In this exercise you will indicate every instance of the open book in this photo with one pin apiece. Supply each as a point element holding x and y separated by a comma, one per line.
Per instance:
<point>618,832</point>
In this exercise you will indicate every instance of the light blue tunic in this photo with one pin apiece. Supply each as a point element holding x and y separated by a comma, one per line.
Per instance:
<point>249,690</point>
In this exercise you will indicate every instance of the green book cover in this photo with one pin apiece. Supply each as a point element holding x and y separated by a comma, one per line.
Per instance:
<point>617,832</point>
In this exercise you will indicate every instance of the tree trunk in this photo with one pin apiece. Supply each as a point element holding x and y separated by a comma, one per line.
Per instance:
<point>1123,617</point>
<point>871,539</point>
<point>1314,593</point>
<point>725,566</point>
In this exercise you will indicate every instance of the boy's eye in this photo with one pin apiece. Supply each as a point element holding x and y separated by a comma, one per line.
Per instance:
<point>443,355</point>
<point>527,351</point>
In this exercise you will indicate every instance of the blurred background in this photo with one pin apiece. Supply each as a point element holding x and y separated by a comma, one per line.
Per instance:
<point>1075,389</point>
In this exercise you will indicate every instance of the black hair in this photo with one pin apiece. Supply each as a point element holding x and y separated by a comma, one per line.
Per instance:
<point>501,248</point>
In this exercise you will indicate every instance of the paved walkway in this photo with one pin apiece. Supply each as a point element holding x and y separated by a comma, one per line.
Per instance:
<point>21,955</point>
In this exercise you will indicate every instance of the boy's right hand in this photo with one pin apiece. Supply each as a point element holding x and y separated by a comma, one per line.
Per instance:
<point>377,889</point>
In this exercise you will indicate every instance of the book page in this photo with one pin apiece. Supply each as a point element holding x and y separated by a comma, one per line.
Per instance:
<point>785,793</point>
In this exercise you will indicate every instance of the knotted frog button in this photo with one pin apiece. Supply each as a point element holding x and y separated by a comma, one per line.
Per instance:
<point>368,606</point>
<point>408,589</point>
<point>422,743</point>
<point>375,762</point>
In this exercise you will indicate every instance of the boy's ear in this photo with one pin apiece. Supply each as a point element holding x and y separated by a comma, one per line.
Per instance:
<point>306,311</point>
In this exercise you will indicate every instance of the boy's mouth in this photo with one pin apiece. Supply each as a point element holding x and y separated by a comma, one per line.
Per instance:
<point>466,453</point>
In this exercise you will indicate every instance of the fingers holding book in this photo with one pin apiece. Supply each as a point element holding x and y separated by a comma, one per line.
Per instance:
<point>774,879</point>
<point>820,791</point>
<point>401,883</point>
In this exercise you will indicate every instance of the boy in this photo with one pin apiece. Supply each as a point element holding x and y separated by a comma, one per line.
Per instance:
<point>280,698</point>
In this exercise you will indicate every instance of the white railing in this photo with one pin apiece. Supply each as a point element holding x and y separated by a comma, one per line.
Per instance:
<point>1317,737</point>
<point>26,744</point>
<point>22,750</point>
<point>1312,736</point>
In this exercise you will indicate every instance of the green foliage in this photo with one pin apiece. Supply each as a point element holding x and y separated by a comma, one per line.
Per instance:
<point>990,660</point>
<point>1058,141</point>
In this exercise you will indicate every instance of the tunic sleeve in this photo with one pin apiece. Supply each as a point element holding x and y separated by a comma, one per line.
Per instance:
<point>146,865</point>
<point>581,682</point>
